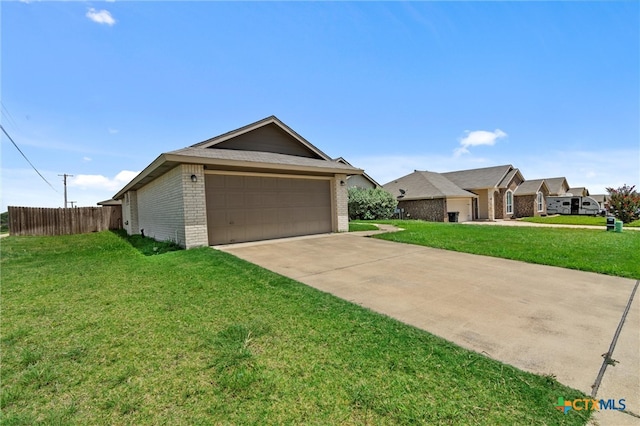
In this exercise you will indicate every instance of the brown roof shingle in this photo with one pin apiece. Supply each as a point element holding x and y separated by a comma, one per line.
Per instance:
<point>425,185</point>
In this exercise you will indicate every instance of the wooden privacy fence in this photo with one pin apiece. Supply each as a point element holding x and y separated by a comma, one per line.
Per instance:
<point>78,220</point>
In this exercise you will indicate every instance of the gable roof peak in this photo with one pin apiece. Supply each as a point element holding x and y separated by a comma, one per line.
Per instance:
<point>271,120</point>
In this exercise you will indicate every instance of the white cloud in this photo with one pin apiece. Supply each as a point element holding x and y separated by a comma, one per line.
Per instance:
<point>101,182</point>
<point>477,138</point>
<point>101,16</point>
<point>113,131</point>
<point>23,187</point>
<point>86,159</point>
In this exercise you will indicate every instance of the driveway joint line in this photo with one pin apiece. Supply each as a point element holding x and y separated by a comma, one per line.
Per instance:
<point>356,264</point>
<point>607,356</point>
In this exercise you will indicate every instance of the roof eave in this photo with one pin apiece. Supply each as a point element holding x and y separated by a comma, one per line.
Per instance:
<point>143,174</point>
<point>166,161</point>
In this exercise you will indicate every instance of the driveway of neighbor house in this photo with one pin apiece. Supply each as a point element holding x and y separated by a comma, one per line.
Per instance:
<point>542,319</point>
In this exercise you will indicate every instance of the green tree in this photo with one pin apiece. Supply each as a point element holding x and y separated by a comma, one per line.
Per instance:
<point>624,203</point>
<point>4,222</point>
<point>371,204</point>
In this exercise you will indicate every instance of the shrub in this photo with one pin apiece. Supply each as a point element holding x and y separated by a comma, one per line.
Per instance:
<point>624,203</point>
<point>371,204</point>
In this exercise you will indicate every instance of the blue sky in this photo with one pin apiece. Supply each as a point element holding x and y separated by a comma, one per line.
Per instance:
<point>99,89</point>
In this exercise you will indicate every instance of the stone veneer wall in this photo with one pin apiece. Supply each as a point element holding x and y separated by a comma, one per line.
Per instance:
<point>527,206</point>
<point>524,206</point>
<point>431,210</point>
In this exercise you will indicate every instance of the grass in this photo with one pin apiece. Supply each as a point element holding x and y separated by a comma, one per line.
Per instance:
<point>357,226</point>
<point>608,253</point>
<point>148,246</point>
<point>575,220</point>
<point>94,332</point>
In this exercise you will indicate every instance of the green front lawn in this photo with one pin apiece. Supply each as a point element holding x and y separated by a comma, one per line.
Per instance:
<point>356,226</point>
<point>575,220</point>
<point>95,332</point>
<point>584,249</point>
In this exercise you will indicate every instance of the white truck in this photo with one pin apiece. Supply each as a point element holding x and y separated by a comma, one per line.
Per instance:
<point>573,205</point>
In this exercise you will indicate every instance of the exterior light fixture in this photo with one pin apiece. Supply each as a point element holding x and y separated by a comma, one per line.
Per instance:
<point>194,178</point>
<point>342,183</point>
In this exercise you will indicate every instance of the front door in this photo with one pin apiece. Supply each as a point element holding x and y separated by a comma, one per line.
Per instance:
<point>575,206</point>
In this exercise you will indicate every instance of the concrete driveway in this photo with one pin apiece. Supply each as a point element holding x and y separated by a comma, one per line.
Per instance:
<point>541,319</point>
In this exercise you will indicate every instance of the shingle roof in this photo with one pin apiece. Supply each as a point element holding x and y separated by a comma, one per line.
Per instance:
<point>531,187</point>
<point>366,176</point>
<point>505,181</point>
<point>425,185</point>
<point>262,157</point>
<point>555,185</point>
<point>578,190</point>
<point>206,154</point>
<point>488,177</point>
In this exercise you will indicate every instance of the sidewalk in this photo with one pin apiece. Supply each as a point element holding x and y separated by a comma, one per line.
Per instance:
<point>511,222</point>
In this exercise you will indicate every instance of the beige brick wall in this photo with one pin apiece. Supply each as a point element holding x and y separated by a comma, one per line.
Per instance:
<point>172,207</point>
<point>130,213</point>
<point>160,207</point>
<point>341,203</point>
<point>195,206</point>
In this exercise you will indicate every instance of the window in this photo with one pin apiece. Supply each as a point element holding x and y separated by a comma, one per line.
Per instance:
<point>509,202</point>
<point>586,203</point>
<point>540,202</point>
<point>566,203</point>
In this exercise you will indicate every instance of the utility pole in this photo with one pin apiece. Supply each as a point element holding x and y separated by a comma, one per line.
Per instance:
<point>72,203</point>
<point>64,179</point>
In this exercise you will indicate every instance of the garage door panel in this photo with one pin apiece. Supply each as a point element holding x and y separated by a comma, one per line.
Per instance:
<point>235,182</point>
<point>251,208</point>
<point>237,217</point>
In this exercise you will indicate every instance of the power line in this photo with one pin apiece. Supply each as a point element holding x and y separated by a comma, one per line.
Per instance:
<point>25,157</point>
<point>7,114</point>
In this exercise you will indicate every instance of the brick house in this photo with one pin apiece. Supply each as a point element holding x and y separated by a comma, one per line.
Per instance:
<point>431,196</point>
<point>494,187</point>
<point>530,198</point>
<point>259,182</point>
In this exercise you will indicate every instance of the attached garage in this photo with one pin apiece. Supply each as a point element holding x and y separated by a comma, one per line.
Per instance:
<point>462,206</point>
<point>259,182</point>
<point>250,208</point>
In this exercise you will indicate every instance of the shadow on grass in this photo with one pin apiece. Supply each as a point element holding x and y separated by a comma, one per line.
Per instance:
<point>147,246</point>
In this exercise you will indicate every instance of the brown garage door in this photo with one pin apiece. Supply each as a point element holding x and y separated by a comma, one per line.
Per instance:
<point>252,208</point>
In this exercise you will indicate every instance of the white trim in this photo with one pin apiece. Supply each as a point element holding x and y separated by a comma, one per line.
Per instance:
<point>508,205</point>
<point>258,174</point>
<point>540,201</point>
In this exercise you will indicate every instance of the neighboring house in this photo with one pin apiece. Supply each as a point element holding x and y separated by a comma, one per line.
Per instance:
<point>557,186</point>
<point>602,199</point>
<point>494,187</point>
<point>259,182</point>
<point>530,198</point>
<point>431,196</point>
<point>579,191</point>
<point>363,181</point>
